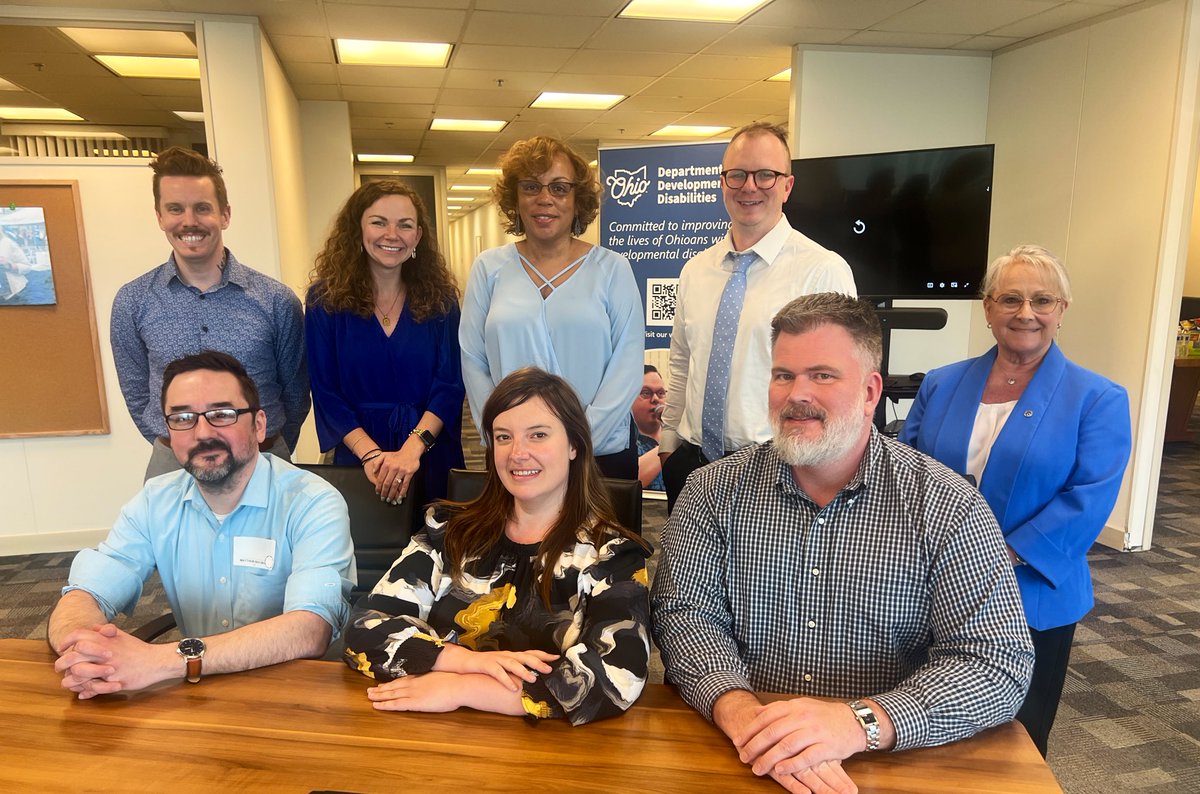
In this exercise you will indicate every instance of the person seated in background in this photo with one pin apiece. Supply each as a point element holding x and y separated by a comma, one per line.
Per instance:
<point>833,562</point>
<point>530,600</point>
<point>254,554</point>
<point>381,332</point>
<point>647,415</point>
<point>1047,441</point>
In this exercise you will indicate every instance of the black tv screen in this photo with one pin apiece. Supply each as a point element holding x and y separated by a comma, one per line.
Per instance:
<point>911,224</point>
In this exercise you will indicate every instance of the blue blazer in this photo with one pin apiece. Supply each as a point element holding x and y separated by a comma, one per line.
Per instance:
<point>1053,474</point>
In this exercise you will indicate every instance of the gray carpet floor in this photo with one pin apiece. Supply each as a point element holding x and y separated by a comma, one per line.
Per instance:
<point>1130,713</point>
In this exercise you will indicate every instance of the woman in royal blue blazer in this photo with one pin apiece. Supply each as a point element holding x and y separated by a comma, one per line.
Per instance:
<point>1046,441</point>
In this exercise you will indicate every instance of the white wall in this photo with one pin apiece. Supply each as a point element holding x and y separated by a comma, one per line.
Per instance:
<point>236,103</point>
<point>1084,124</point>
<point>64,492</point>
<point>850,101</point>
<point>1191,282</point>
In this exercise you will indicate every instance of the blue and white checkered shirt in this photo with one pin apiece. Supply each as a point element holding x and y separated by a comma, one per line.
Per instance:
<point>899,590</point>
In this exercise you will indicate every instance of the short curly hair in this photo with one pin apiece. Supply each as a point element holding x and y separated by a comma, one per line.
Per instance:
<point>529,159</point>
<point>341,277</point>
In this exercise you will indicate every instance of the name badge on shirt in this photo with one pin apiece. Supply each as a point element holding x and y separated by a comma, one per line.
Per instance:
<point>254,552</point>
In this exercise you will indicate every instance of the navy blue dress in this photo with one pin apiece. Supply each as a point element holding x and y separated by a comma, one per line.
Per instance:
<point>361,377</point>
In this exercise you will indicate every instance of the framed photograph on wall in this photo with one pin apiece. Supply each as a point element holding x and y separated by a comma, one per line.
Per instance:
<point>26,272</point>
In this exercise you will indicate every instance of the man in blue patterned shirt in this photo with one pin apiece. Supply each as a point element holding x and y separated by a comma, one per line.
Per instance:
<point>202,298</point>
<point>833,562</point>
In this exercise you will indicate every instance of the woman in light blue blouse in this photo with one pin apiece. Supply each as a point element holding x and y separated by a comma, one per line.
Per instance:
<point>553,301</point>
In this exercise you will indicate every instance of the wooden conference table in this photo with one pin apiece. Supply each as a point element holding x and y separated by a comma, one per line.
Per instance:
<point>307,726</point>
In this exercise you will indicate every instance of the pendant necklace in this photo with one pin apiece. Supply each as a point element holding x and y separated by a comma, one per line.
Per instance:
<point>386,319</point>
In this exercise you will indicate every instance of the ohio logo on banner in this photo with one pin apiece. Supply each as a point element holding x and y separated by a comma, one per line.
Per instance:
<point>662,206</point>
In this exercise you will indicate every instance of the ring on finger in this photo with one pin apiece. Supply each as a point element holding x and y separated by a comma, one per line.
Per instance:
<point>399,479</point>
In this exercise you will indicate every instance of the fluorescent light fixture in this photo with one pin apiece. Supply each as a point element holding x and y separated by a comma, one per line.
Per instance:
<point>7,86</point>
<point>190,115</point>
<point>559,99</point>
<point>152,66</point>
<point>468,125</point>
<point>471,188</point>
<point>384,158</point>
<point>114,41</point>
<point>783,77</point>
<point>453,207</point>
<point>38,114</point>
<point>693,10</point>
<point>431,54</point>
<point>687,131</point>
<point>484,172</point>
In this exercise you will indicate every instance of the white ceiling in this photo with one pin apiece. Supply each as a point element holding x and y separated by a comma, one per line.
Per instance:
<point>507,51</point>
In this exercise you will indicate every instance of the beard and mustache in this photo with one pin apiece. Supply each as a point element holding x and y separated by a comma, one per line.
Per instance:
<point>218,476</point>
<point>839,434</point>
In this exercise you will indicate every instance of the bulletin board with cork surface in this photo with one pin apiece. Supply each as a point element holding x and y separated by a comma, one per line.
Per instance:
<point>51,381</point>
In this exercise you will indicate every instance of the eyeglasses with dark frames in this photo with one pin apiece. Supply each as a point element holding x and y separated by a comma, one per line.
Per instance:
<point>217,417</point>
<point>1011,302</point>
<point>764,178</point>
<point>559,188</point>
<point>647,393</point>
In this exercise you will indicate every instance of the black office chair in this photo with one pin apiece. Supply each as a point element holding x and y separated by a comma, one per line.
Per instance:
<point>626,495</point>
<point>380,531</point>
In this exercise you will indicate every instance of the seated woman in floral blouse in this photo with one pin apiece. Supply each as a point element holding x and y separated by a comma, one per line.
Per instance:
<point>530,600</point>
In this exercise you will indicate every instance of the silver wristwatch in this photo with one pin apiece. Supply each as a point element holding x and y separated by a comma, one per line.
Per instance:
<point>867,719</point>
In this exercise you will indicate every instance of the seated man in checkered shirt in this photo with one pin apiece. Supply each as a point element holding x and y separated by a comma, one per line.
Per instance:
<point>833,562</point>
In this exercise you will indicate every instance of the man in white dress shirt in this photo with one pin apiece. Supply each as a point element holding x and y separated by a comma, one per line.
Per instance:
<point>782,265</point>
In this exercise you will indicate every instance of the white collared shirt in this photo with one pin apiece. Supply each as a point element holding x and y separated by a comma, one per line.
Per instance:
<point>789,265</point>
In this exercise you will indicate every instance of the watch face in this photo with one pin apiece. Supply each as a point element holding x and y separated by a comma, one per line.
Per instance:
<point>191,647</point>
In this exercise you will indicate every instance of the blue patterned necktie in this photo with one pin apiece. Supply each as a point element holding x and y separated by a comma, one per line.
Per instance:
<point>716,384</point>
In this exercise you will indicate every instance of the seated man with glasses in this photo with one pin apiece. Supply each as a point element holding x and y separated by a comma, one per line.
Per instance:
<point>721,341</point>
<point>647,415</point>
<point>254,554</point>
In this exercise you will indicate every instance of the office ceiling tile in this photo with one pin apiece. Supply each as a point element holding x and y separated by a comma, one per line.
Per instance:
<point>838,14</point>
<point>1052,19</point>
<point>985,43</point>
<point>311,73</point>
<point>732,67</point>
<point>887,38</point>
<point>591,8</point>
<point>480,79</point>
<point>543,29</point>
<point>389,23</point>
<point>390,76</point>
<point>305,49</point>
<point>597,84</point>
<point>963,16</point>
<point>318,92</point>
<point>404,95</point>
<point>648,64</point>
<point>486,56</point>
<point>654,35</point>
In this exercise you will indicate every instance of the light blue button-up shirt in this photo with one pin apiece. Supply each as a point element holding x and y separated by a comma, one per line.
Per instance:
<point>217,575</point>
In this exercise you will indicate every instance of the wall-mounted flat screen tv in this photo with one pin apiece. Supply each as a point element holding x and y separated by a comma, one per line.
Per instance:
<point>911,224</point>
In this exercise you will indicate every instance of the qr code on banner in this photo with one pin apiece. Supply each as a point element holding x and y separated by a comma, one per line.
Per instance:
<point>660,301</point>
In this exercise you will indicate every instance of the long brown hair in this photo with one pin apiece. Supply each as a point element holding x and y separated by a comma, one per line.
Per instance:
<point>475,527</point>
<point>344,277</point>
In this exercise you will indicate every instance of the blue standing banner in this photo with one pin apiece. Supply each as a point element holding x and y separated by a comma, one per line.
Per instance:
<point>663,206</point>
